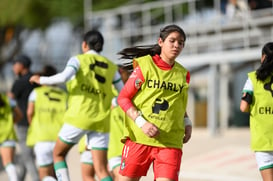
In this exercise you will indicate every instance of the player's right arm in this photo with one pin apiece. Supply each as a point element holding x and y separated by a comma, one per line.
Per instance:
<point>246,99</point>
<point>68,73</point>
<point>129,90</point>
<point>125,97</point>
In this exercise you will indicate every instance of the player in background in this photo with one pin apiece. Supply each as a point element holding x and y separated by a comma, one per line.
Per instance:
<point>116,129</point>
<point>20,91</point>
<point>89,77</point>
<point>87,166</point>
<point>46,108</point>
<point>116,132</point>
<point>10,113</point>
<point>257,99</point>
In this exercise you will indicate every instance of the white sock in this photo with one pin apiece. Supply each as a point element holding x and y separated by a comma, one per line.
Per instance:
<point>62,174</point>
<point>49,178</point>
<point>11,171</point>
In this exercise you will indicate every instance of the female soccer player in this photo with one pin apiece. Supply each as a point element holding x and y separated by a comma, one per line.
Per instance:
<point>257,99</point>
<point>155,100</point>
<point>46,108</point>
<point>9,114</point>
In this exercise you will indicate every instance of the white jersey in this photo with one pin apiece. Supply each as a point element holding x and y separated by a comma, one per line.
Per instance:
<point>248,87</point>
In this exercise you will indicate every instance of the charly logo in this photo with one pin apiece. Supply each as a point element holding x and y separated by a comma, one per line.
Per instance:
<point>268,86</point>
<point>99,64</point>
<point>160,105</point>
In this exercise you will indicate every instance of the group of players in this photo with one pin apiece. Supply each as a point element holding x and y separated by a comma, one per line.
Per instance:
<point>141,105</point>
<point>146,124</point>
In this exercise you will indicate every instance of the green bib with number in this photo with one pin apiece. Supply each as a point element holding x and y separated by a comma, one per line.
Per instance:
<point>90,93</point>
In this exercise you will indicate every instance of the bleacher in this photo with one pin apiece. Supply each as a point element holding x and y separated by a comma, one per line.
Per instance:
<point>208,29</point>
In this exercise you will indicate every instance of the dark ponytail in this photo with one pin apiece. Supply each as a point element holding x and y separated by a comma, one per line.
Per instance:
<point>266,68</point>
<point>139,51</point>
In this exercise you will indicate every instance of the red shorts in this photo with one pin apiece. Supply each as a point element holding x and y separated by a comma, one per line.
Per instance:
<point>137,158</point>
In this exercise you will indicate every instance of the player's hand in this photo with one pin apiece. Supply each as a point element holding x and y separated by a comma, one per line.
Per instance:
<point>35,79</point>
<point>188,131</point>
<point>150,130</point>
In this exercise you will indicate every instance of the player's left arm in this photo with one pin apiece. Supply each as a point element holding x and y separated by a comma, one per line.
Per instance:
<point>188,128</point>
<point>187,121</point>
<point>31,106</point>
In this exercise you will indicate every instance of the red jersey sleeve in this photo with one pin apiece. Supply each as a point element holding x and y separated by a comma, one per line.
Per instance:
<point>130,88</point>
<point>188,77</point>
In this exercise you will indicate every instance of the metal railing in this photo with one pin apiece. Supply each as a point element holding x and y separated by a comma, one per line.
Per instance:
<point>208,29</point>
